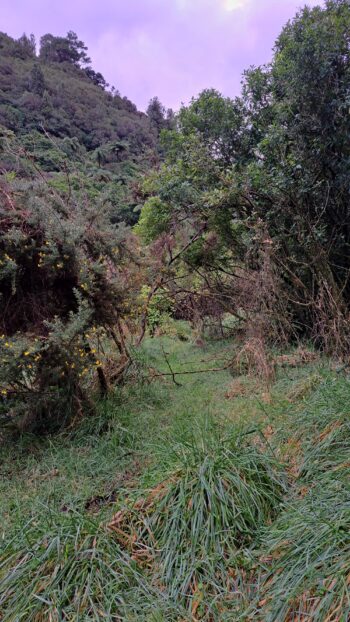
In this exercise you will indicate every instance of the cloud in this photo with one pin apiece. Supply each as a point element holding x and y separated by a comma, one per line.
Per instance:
<point>233,5</point>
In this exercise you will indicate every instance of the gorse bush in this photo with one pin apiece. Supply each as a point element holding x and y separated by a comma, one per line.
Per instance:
<point>64,288</point>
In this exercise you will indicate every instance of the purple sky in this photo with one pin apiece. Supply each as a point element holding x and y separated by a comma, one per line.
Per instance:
<point>169,48</point>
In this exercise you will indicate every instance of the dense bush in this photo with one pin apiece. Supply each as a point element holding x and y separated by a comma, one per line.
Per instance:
<point>64,288</point>
<point>256,188</point>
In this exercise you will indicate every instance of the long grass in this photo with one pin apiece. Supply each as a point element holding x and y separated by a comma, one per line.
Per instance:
<point>206,525</point>
<point>306,553</point>
<point>74,570</point>
<point>196,527</point>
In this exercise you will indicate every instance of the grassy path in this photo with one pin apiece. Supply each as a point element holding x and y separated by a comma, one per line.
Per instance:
<point>59,493</point>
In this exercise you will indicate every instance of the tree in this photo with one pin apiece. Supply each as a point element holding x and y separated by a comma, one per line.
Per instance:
<point>156,114</point>
<point>25,47</point>
<point>37,83</point>
<point>96,77</point>
<point>64,49</point>
<point>219,122</point>
<point>266,176</point>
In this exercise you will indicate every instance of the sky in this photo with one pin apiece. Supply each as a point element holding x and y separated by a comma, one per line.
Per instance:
<point>169,48</point>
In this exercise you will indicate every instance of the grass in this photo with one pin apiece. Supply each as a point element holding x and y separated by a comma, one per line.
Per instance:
<point>217,492</point>
<point>210,527</point>
<point>307,549</point>
<point>73,570</point>
<point>309,546</point>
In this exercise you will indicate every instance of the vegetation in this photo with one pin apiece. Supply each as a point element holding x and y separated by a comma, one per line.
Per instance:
<point>257,187</point>
<point>138,462</point>
<point>174,339</point>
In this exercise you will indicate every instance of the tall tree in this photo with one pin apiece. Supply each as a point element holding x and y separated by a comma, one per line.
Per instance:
<point>156,114</point>
<point>64,49</point>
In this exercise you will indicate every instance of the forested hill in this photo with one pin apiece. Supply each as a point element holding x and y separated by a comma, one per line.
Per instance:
<point>58,90</point>
<point>62,112</point>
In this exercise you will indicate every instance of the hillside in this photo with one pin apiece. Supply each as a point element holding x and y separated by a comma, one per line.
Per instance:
<point>60,96</point>
<point>63,115</point>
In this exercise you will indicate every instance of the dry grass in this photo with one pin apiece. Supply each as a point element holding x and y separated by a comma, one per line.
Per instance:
<point>301,356</point>
<point>253,359</point>
<point>304,387</point>
<point>242,387</point>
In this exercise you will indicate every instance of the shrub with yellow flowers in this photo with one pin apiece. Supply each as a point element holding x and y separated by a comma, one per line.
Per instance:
<point>64,286</point>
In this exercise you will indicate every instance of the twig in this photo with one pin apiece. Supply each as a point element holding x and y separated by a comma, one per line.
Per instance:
<point>197,371</point>
<point>170,368</point>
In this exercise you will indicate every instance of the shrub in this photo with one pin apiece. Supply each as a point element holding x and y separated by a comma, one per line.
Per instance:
<point>64,287</point>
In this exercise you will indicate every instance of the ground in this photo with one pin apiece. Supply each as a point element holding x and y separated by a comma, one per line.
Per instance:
<point>83,476</point>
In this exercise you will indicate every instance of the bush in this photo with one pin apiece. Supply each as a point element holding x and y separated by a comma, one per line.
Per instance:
<point>63,289</point>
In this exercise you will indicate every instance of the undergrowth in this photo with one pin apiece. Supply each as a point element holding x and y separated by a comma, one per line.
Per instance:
<point>205,523</point>
<point>305,573</point>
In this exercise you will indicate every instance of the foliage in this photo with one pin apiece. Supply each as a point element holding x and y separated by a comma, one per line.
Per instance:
<point>309,545</point>
<point>158,307</point>
<point>63,288</point>
<point>64,49</point>
<point>86,574</point>
<point>159,117</point>
<point>265,175</point>
<point>57,491</point>
<point>58,91</point>
<point>61,110</point>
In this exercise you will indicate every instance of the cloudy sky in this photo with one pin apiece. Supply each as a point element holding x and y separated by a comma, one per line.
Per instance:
<point>169,48</point>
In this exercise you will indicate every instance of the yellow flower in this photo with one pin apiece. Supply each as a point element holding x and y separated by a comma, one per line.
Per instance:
<point>26,353</point>
<point>3,392</point>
